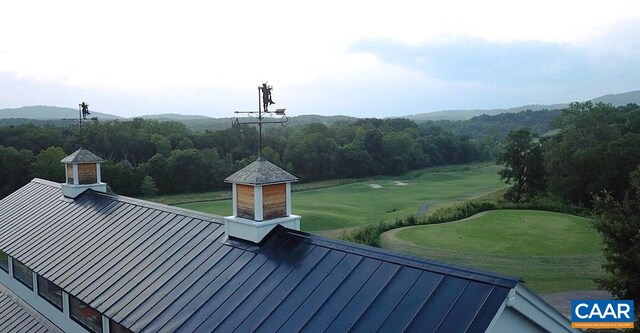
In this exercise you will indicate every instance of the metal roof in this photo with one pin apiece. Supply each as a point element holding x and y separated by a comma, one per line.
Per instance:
<point>155,268</point>
<point>82,156</point>
<point>261,172</point>
<point>16,316</point>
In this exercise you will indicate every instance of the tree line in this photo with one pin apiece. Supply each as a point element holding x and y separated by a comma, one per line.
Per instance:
<point>595,148</point>
<point>145,157</point>
<point>592,162</point>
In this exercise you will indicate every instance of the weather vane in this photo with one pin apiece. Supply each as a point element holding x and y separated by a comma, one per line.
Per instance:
<point>83,112</point>
<point>264,100</point>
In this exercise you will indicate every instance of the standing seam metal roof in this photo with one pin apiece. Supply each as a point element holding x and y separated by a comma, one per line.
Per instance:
<point>17,317</point>
<point>155,268</point>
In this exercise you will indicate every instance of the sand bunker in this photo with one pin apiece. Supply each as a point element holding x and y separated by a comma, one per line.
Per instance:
<point>375,185</point>
<point>399,183</point>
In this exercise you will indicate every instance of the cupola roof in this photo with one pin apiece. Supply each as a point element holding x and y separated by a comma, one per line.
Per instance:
<point>82,156</point>
<point>261,172</point>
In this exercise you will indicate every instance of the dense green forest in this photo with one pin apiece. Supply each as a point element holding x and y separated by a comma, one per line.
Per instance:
<point>147,156</point>
<point>168,157</point>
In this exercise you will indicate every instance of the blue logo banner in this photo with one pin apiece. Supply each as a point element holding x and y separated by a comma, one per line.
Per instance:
<point>602,313</point>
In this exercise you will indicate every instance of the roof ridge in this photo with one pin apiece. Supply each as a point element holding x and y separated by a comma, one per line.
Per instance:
<point>167,208</point>
<point>46,182</point>
<point>145,203</point>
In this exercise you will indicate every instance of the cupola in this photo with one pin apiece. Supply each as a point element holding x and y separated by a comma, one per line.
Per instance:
<point>82,171</point>
<point>261,200</point>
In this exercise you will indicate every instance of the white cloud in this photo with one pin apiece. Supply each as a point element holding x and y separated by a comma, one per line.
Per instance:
<point>168,48</point>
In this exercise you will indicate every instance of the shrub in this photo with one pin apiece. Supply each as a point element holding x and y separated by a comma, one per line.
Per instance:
<point>148,186</point>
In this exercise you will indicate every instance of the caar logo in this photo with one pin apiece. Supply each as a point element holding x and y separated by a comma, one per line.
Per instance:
<point>602,314</point>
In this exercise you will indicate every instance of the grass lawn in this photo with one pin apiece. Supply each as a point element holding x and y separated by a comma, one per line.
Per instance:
<point>359,203</point>
<point>550,251</point>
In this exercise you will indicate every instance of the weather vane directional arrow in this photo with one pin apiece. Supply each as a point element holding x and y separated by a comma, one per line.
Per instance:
<point>264,100</point>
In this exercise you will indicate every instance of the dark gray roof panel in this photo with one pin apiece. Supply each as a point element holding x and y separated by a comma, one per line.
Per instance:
<point>82,156</point>
<point>155,268</point>
<point>16,316</point>
<point>261,172</point>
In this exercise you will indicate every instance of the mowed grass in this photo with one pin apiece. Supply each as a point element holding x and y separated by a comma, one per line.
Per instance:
<point>358,203</point>
<point>551,251</point>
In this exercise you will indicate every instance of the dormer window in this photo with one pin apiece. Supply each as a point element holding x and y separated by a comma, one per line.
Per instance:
<point>50,292</point>
<point>23,274</point>
<point>85,315</point>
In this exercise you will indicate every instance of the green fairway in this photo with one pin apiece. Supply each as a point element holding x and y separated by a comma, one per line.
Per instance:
<point>359,203</point>
<point>550,251</point>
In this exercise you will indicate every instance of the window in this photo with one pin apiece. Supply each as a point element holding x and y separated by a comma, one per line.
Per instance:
<point>4,262</point>
<point>85,315</point>
<point>114,327</point>
<point>23,274</point>
<point>50,292</point>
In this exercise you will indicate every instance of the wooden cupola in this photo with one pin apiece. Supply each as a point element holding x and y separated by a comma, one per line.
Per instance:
<point>82,171</point>
<point>261,200</point>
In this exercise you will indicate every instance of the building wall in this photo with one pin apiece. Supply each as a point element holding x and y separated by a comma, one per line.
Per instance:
<point>524,311</point>
<point>59,318</point>
<point>512,321</point>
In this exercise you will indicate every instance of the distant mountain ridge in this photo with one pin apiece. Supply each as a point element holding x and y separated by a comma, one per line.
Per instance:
<point>173,116</point>
<point>197,122</point>
<point>620,99</point>
<point>59,116</point>
<point>45,112</point>
<point>613,99</point>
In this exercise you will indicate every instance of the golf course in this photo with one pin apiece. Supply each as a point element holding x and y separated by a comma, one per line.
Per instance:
<point>550,251</point>
<point>380,199</point>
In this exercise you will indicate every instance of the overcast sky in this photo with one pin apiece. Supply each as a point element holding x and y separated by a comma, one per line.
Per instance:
<point>359,58</point>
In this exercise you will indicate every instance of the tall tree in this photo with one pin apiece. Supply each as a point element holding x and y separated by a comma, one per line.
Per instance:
<point>595,150</point>
<point>619,225</point>
<point>15,169</point>
<point>47,164</point>
<point>523,166</point>
<point>148,186</point>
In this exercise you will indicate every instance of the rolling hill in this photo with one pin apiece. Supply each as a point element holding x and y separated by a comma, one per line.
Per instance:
<point>45,112</point>
<point>42,114</point>
<point>613,99</point>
